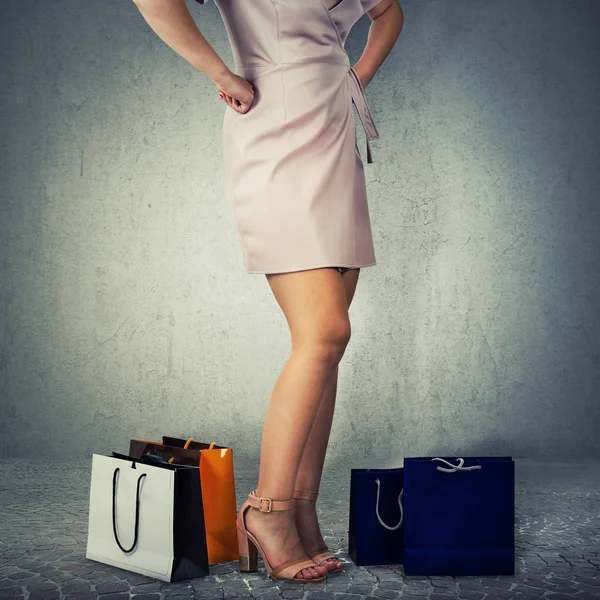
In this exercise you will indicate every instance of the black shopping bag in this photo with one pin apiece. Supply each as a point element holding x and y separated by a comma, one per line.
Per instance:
<point>145,515</point>
<point>217,484</point>
<point>459,515</point>
<point>375,528</point>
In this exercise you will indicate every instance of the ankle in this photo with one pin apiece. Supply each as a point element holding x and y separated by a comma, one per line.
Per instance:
<point>305,505</point>
<point>276,517</point>
<point>269,503</point>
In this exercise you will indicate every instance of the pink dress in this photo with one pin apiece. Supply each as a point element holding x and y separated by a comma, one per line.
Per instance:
<point>294,176</point>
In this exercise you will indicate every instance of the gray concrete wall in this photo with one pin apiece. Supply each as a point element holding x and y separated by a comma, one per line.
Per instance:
<point>126,311</point>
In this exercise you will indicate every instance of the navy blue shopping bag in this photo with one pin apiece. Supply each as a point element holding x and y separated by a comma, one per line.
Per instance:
<point>375,528</point>
<point>459,515</point>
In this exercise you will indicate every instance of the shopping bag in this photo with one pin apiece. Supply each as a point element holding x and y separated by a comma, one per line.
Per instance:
<point>459,515</point>
<point>144,517</point>
<point>218,488</point>
<point>375,529</point>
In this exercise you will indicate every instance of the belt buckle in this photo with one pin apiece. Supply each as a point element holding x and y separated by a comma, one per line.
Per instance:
<point>269,502</point>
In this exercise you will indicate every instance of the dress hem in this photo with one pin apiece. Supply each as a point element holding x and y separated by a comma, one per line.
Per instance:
<point>294,270</point>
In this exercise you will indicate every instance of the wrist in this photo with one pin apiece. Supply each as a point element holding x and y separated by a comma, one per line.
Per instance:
<point>221,75</point>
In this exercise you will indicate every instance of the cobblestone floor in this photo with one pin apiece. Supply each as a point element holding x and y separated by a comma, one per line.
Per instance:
<point>43,529</point>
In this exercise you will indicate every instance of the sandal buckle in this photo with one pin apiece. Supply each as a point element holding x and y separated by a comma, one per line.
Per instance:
<point>269,504</point>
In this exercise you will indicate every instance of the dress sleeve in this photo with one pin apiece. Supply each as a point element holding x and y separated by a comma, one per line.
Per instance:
<point>368,4</point>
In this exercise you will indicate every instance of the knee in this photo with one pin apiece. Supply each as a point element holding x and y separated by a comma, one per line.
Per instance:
<point>330,343</point>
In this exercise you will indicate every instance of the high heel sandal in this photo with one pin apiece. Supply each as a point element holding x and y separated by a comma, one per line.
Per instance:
<point>249,546</point>
<point>322,554</point>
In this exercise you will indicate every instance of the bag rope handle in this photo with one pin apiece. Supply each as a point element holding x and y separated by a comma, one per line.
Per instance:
<point>399,503</point>
<point>187,445</point>
<point>454,468</point>
<point>137,511</point>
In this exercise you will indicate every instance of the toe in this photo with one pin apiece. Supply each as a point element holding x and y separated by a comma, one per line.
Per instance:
<point>330,563</point>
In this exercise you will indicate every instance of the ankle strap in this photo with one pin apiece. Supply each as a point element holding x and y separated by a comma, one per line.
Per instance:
<point>268,504</point>
<point>306,494</point>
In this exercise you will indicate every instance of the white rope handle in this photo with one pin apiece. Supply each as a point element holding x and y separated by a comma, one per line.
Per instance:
<point>454,468</point>
<point>377,508</point>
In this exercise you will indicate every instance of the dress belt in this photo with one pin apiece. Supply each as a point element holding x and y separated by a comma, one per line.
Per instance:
<point>358,97</point>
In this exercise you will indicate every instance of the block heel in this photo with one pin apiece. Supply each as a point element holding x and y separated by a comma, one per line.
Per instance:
<point>248,553</point>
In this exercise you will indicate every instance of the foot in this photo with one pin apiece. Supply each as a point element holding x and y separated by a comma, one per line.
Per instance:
<point>277,534</point>
<point>307,525</point>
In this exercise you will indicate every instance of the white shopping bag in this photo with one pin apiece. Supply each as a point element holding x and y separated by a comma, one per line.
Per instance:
<point>147,517</point>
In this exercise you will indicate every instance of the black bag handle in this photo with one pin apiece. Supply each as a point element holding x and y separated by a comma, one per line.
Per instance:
<point>137,510</point>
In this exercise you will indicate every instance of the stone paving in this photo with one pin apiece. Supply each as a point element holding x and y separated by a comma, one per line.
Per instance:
<point>43,529</point>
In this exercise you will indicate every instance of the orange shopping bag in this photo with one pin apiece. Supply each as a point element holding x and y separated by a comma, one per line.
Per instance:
<point>218,488</point>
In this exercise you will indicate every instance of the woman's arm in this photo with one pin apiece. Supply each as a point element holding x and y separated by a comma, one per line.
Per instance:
<point>387,19</point>
<point>172,22</point>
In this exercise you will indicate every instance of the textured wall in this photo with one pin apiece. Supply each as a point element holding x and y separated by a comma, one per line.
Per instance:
<point>126,311</point>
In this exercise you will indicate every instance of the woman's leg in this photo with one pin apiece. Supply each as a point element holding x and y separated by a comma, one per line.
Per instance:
<point>316,309</point>
<point>313,458</point>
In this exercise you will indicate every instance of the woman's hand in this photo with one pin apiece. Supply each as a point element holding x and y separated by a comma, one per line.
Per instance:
<point>236,91</point>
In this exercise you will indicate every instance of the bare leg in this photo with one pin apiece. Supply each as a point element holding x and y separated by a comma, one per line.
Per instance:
<point>313,459</point>
<point>315,306</point>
